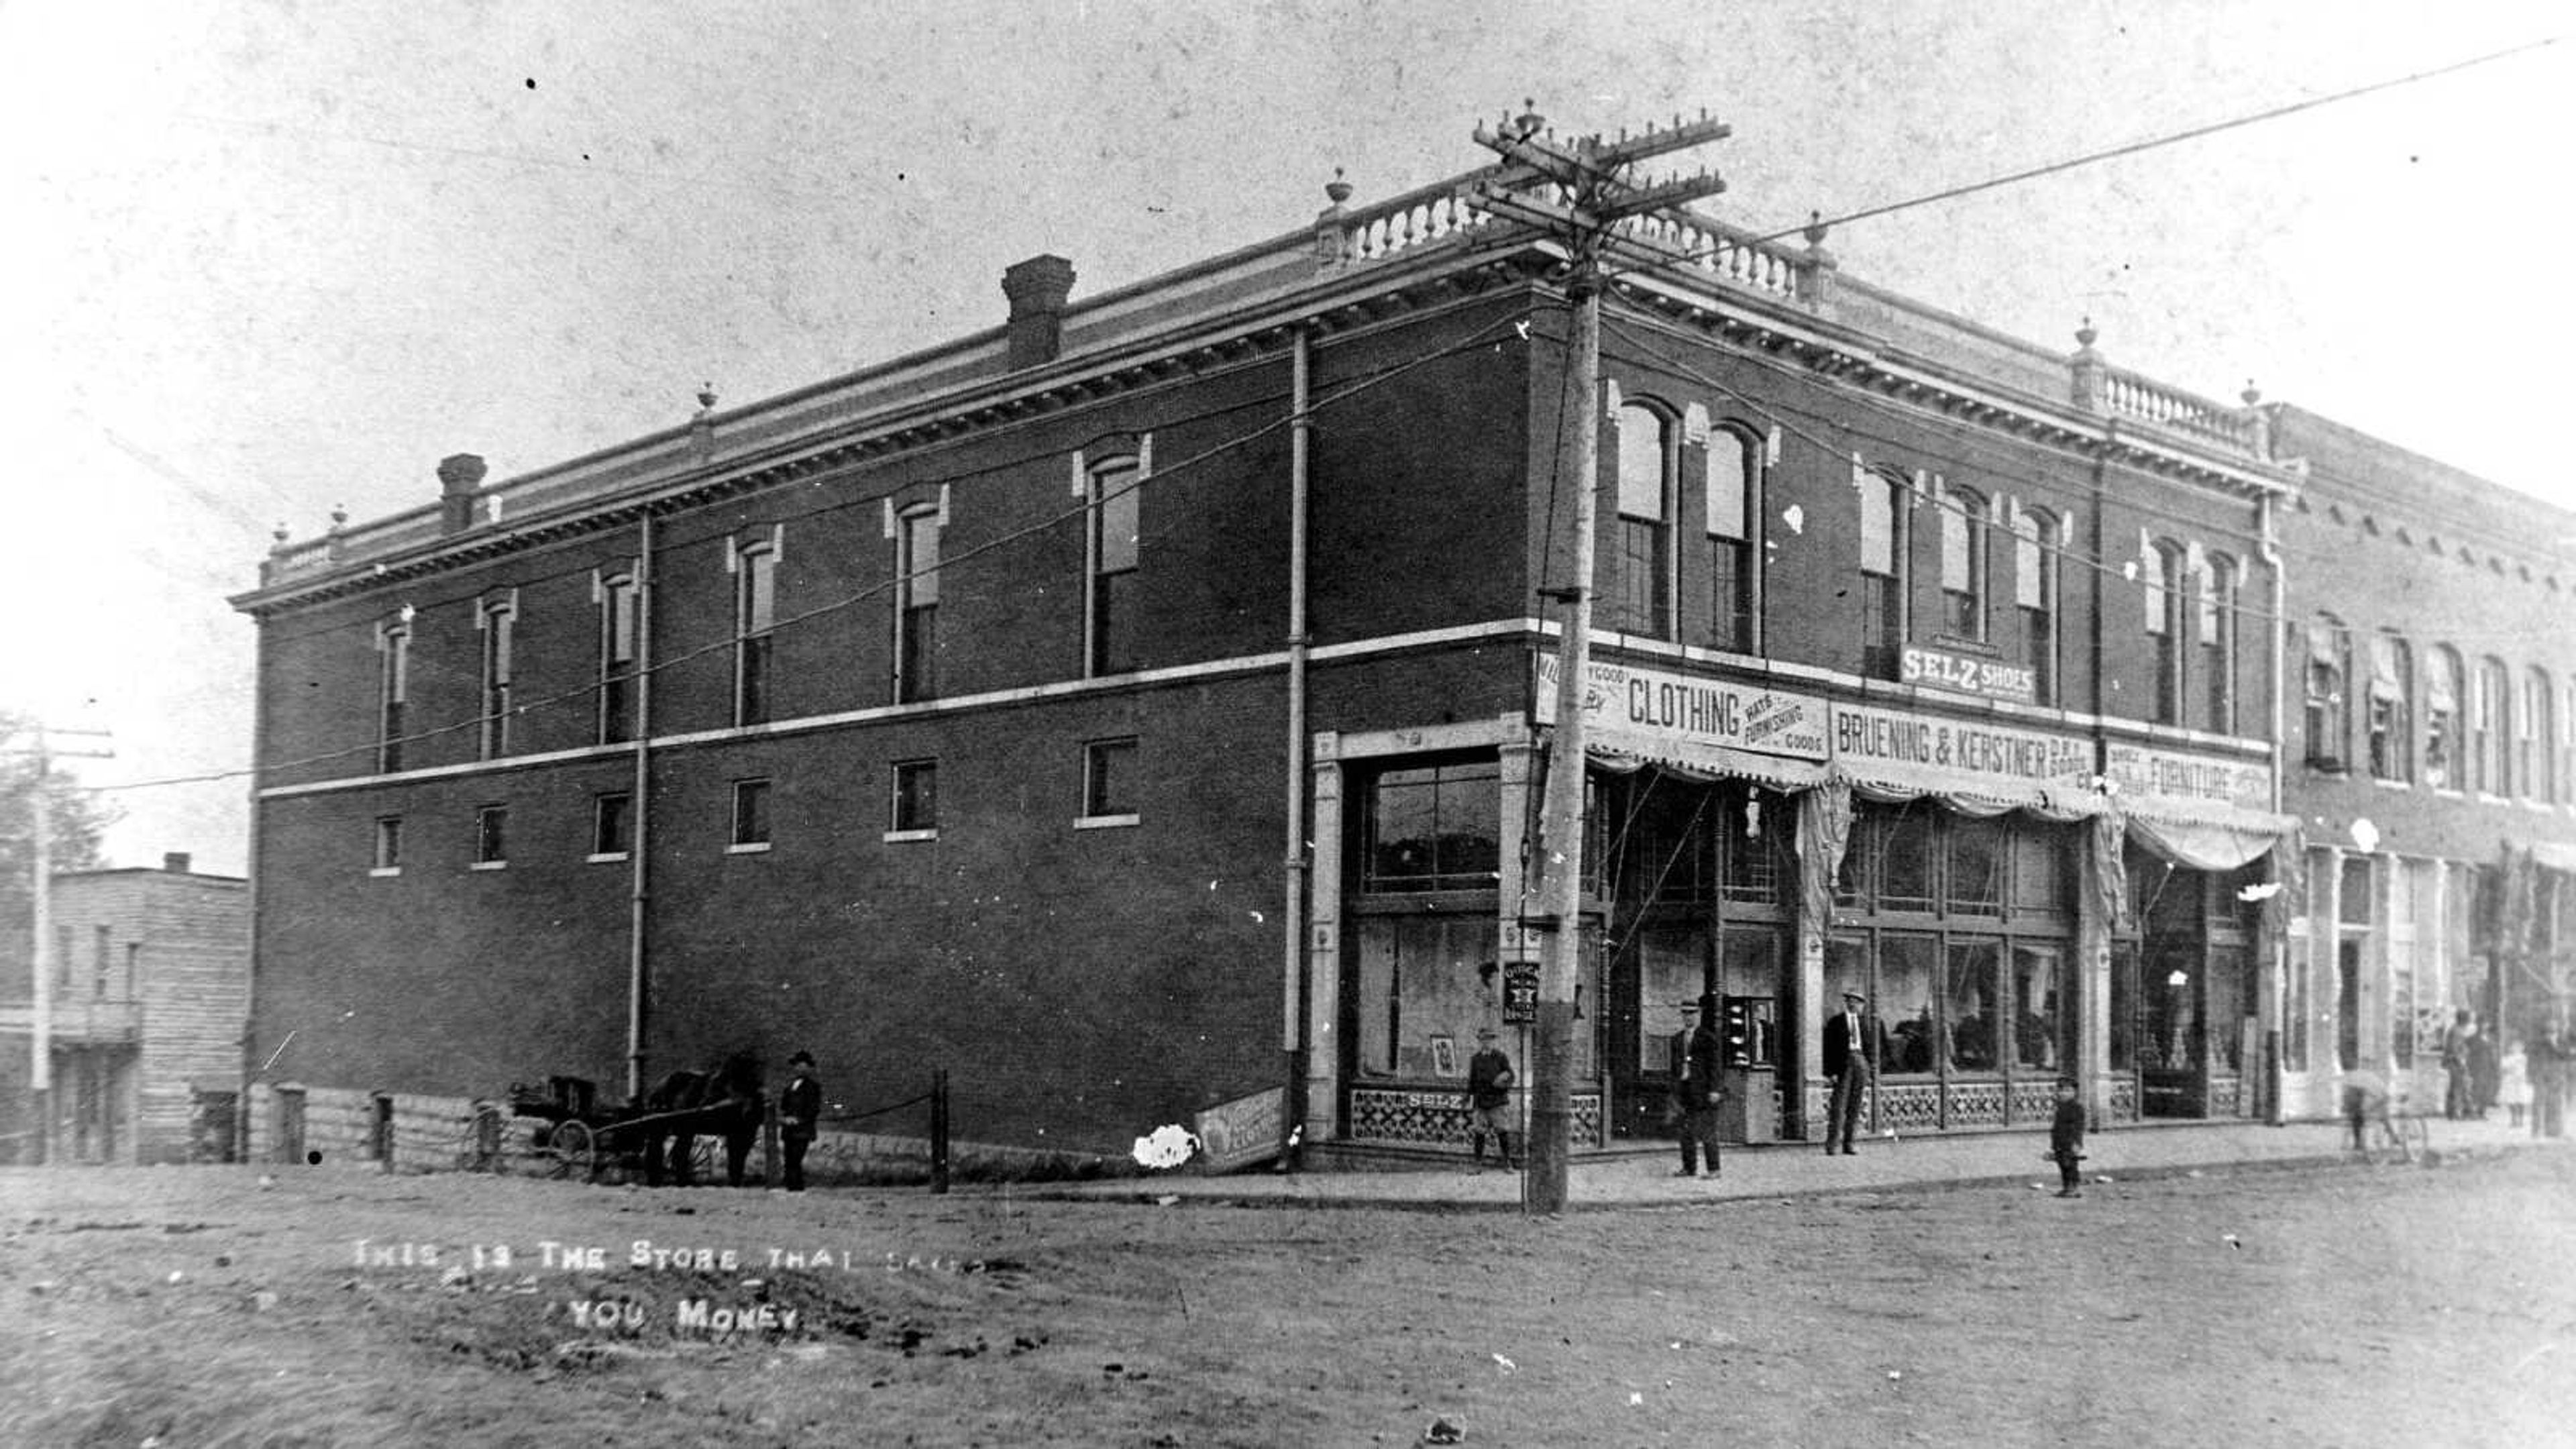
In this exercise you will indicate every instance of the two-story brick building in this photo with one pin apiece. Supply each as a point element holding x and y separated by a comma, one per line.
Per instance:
<point>1140,705</point>
<point>2430,747</point>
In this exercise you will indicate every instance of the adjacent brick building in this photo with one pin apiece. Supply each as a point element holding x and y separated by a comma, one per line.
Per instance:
<point>1137,707</point>
<point>2431,745</point>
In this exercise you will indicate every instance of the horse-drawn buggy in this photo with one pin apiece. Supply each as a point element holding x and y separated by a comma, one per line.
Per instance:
<point>673,1131</point>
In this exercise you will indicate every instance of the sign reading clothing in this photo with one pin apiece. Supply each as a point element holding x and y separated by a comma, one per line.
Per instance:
<point>1647,711</point>
<point>1930,752</point>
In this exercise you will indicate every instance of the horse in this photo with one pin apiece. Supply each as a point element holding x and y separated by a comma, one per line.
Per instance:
<point>674,1099</point>
<point>724,1100</point>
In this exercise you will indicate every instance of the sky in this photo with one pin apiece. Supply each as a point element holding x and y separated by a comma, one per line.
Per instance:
<point>270,259</point>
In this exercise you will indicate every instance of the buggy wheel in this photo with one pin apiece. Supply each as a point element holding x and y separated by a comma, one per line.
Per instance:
<point>706,1160</point>
<point>572,1148</point>
<point>478,1147</point>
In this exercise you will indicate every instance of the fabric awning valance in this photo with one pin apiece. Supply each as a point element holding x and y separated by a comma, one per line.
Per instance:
<point>1897,781</point>
<point>1714,762</point>
<point>2207,837</point>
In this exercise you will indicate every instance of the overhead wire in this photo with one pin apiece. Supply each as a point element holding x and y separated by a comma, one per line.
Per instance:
<point>1473,341</point>
<point>2124,571</point>
<point>2115,152</point>
<point>1945,194</point>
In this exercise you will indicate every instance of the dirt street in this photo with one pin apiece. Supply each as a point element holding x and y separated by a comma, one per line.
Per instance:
<point>185,1307</point>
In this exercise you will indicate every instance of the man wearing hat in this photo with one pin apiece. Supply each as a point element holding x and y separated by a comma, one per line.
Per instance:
<point>1851,1051</point>
<point>1697,1088</point>
<point>799,1108</point>
<point>1489,1100</point>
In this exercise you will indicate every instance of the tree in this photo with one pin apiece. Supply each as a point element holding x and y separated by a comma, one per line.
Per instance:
<point>76,824</point>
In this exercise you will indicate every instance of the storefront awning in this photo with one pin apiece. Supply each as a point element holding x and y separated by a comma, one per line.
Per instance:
<point>1704,763</point>
<point>1895,781</point>
<point>2205,835</point>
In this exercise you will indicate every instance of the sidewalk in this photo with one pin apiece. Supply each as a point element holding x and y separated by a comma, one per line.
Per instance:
<point>1793,1169</point>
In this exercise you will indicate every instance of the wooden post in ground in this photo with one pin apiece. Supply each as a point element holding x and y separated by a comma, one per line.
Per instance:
<point>939,1129</point>
<point>768,1140</point>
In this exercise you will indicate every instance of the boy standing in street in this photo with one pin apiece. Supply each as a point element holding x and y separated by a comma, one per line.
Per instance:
<point>2066,1137</point>
<point>1489,1100</point>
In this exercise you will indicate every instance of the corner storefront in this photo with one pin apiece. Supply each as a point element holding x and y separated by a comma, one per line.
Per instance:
<point>2018,902</point>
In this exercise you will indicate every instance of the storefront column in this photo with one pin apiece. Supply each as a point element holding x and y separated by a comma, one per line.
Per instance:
<point>1824,831</point>
<point>2097,911</point>
<point>1324,947</point>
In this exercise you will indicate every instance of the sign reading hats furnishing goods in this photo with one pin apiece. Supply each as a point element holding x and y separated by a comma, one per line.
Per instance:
<point>1520,991</point>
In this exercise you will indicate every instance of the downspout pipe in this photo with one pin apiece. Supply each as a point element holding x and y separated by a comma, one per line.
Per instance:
<point>2275,1071</point>
<point>638,976</point>
<point>1295,863</point>
<point>258,882</point>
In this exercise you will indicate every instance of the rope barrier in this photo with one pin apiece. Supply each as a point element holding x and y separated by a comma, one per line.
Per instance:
<point>877,1111</point>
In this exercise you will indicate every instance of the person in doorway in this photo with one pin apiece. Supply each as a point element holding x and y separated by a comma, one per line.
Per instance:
<point>2485,1071</point>
<point>1489,1102</point>
<point>2548,1080</point>
<point>800,1107</point>
<point>2066,1138</point>
<point>1851,1057</point>
<point>2458,1089</point>
<point>2365,1096</point>
<point>1697,1089</point>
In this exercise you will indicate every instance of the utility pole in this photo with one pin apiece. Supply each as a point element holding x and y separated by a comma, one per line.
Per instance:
<point>1579,193</point>
<point>40,1070</point>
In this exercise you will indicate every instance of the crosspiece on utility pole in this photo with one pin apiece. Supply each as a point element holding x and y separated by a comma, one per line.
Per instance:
<point>1579,192</point>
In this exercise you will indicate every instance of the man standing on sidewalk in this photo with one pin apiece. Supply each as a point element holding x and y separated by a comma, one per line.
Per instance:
<point>1697,1089</point>
<point>2455,1066</point>
<point>800,1108</point>
<point>1851,1053</point>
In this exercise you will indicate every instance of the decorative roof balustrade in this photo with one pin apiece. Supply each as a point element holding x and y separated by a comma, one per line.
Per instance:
<point>2125,394</point>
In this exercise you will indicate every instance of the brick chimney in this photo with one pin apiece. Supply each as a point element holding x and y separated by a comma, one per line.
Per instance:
<point>1037,289</point>
<point>458,476</point>
<point>175,861</point>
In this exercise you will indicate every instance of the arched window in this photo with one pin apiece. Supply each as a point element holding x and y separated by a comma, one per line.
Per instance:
<point>1115,493</point>
<point>1734,501</point>
<point>2216,612</point>
<point>1642,602</point>
<point>2327,712</point>
<point>2531,740</point>
<point>393,688</point>
<point>2442,735</point>
<point>755,613</point>
<point>2490,746</point>
<point>916,618</point>
<point>1963,562</point>
<point>2035,536</point>
<point>498,619</point>
<point>620,616</point>
<point>2163,568</point>
<point>2392,692</point>
<point>2566,777</point>
<point>1882,573</point>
